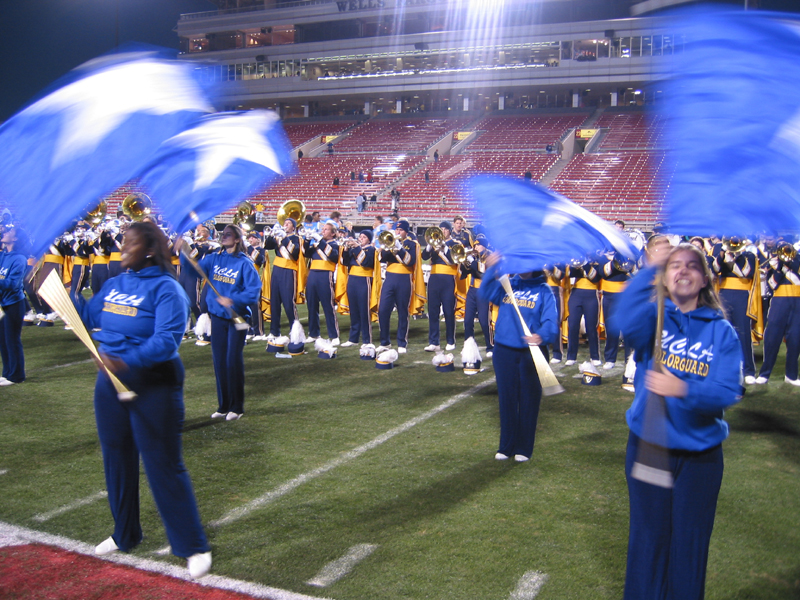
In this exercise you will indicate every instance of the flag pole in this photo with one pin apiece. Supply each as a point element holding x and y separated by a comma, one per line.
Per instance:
<point>550,385</point>
<point>652,460</point>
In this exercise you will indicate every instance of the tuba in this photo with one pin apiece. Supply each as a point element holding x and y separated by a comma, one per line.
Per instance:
<point>291,209</point>
<point>245,216</point>
<point>434,237</point>
<point>98,214</point>
<point>137,206</point>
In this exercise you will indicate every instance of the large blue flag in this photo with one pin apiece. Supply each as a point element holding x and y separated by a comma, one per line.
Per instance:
<point>733,108</point>
<point>532,226</point>
<point>96,130</point>
<point>211,167</point>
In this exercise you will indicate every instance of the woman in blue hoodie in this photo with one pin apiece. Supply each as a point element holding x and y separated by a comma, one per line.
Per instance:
<point>13,265</point>
<point>701,374</point>
<point>141,316</point>
<point>236,279</point>
<point>518,387</point>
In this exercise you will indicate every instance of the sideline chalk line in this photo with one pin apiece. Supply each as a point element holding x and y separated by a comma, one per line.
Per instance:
<point>242,511</point>
<point>336,569</point>
<point>42,517</point>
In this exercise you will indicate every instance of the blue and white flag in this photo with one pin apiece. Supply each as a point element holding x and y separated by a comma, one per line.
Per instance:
<point>95,131</point>
<point>733,125</point>
<point>532,226</point>
<point>223,160</point>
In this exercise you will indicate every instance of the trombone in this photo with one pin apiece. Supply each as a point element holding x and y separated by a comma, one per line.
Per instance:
<point>387,241</point>
<point>434,237</point>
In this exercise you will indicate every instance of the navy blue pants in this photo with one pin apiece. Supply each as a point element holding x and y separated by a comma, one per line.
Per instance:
<point>396,292</point>
<point>227,351</point>
<point>477,306</point>
<point>735,304</point>
<point>441,295</point>
<point>783,322</point>
<point>192,286</point>
<point>149,426</point>
<point>319,290</point>
<point>11,342</point>
<point>32,287</point>
<point>80,273</point>
<point>99,277</point>
<point>612,331</point>
<point>283,289</point>
<point>583,303</point>
<point>359,294</point>
<point>256,318</point>
<point>114,268</point>
<point>558,346</point>
<point>670,529</point>
<point>520,394</point>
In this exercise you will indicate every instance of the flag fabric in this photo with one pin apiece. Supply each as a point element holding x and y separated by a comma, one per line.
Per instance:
<point>97,129</point>
<point>733,125</point>
<point>215,165</point>
<point>532,226</point>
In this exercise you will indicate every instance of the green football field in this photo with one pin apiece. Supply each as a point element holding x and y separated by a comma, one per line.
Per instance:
<point>343,481</point>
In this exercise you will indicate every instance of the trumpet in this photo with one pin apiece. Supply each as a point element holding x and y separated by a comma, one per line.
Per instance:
<point>137,206</point>
<point>434,237</point>
<point>350,243</point>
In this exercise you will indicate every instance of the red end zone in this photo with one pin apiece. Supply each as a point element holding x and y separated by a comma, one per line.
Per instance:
<point>36,571</point>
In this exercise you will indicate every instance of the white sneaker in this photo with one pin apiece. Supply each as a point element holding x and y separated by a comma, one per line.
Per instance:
<point>382,348</point>
<point>347,344</point>
<point>249,337</point>
<point>749,380</point>
<point>270,338</point>
<point>489,354</point>
<point>401,350</point>
<point>608,366</point>
<point>569,363</point>
<point>199,564</point>
<point>232,416</point>
<point>596,363</point>
<point>555,361</point>
<point>310,340</point>
<point>761,380</point>
<point>106,547</point>
<point>335,342</point>
<point>4,382</point>
<point>449,347</point>
<point>520,458</point>
<point>2,379</point>
<point>792,381</point>
<point>218,415</point>
<point>432,348</point>
<point>500,456</point>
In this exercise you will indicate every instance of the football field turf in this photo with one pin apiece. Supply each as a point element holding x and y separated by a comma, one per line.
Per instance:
<point>347,482</point>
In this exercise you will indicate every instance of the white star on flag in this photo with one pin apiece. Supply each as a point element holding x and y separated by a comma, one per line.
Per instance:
<point>221,139</point>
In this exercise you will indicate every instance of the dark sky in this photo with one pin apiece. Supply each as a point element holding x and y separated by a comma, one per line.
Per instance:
<point>40,40</point>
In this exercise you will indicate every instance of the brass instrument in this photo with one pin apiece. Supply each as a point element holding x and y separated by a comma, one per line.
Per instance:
<point>458,253</point>
<point>734,245</point>
<point>786,252</point>
<point>245,216</point>
<point>97,214</point>
<point>350,243</point>
<point>291,209</point>
<point>387,241</point>
<point>434,237</point>
<point>576,263</point>
<point>137,206</point>
<point>623,264</point>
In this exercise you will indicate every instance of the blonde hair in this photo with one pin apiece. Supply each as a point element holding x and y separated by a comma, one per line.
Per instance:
<point>707,296</point>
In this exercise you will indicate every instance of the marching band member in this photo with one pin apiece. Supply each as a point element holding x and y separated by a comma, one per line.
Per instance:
<point>79,247</point>
<point>255,250</point>
<point>518,387</point>
<point>441,291</point>
<point>115,244</point>
<point>236,279</point>
<point>583,303</point>
<point>188,278</point>
<point>740,293</point>
<point>324,255</point>
<point>398,287</point>
<point>559,284</point>
<point>285,277</point>
<point>13,266</point>
<point>141,316</point>
<point>472,270</point>
<point>783,320</point>
<point>615,273</point>
<point>52,261</point>
<point>359,257</point>
<point>461,235</point>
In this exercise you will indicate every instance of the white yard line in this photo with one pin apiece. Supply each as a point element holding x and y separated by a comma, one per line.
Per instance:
<point>12,535</point>
<point>3,471</point>
<point>529,586</point>
<point>335,570</point>
<point>72,364</point>
<point>41,518</point>
<point>280,491</point>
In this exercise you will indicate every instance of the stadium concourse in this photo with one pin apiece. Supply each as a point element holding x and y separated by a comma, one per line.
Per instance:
<point>609,160</point>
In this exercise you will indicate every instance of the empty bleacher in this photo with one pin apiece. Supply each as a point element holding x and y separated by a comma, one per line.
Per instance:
<point>399,136</point>
<point>631,131</point>
<point>299,133</point>
<point>522,132</point>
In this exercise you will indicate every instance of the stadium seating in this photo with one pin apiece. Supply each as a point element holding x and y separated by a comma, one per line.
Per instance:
<point>522,132</point>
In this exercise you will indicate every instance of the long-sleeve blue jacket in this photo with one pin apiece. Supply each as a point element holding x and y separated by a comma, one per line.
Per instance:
<point>234,276</point>
<point>701,348</point>
<point>141,316</point>
<point>536,303</point>
<point>13,266</point>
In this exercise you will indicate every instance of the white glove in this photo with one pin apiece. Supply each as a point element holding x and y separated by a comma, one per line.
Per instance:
<point>398,245</point>
<point>774,262</point>
<point>428,248</point>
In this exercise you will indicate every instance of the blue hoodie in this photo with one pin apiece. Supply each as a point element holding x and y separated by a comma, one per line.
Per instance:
<point>12,273</point>
<point>700,347</point>
<point>141,315</point>
<point>235,277</point>
<point>536,303</point>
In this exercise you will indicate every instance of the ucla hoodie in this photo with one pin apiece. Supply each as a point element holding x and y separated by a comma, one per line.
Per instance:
<point>235,277</point>
<point>700,347</point>
<point>12,271</point>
